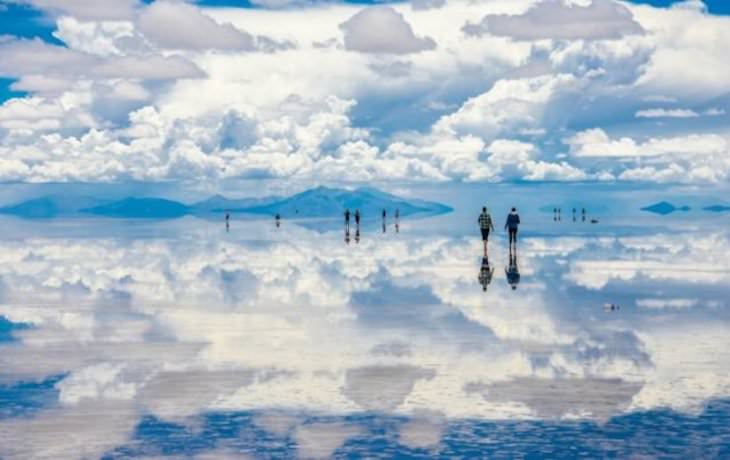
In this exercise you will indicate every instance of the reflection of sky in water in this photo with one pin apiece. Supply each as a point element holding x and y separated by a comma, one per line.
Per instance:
<point>184,340</point>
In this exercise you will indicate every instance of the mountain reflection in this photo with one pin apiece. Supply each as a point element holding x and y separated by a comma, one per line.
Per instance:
<point>175,328</point>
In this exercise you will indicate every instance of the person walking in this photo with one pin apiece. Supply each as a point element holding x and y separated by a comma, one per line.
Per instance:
<point>511,225</point>
<point>228,220</point>
<point>485,225</point>
<point>347,220</point>
<point>357,219</point>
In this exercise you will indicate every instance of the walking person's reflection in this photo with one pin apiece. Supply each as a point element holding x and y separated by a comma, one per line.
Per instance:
<point>357,235</point>
<point>347,235</point>
<point>228,221</point>
<point>512,270</point>
<point>485,273</point>
<point>278,220</point>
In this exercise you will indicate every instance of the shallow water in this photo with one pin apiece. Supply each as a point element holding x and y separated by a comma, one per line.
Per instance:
<point>178,339</point>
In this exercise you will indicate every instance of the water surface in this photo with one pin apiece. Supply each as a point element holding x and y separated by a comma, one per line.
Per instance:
<point>128,339</point>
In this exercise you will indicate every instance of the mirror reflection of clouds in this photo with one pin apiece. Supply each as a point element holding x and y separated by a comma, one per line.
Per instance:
<point>176,328</point>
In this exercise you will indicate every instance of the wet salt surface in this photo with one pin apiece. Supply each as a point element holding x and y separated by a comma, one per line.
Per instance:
<point>177,339</point>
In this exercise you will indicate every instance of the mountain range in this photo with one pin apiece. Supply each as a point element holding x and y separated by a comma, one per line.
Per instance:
<point>320,202</point>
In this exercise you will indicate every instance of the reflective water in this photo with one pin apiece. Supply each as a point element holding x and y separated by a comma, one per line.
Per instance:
<point>179,339</point>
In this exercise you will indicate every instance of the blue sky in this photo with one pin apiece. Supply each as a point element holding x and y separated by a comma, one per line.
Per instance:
<point>601,91</point>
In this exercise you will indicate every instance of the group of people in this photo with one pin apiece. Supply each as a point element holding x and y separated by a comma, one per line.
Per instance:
<point>512,224</point>
<point>558,215</point>
<point>486,225</point>
<point>358,217</point>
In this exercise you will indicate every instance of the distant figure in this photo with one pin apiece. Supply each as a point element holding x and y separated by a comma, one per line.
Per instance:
<point>384,215</point>
<point>485,273</point>
<point>278,220</point>
<point>228,221</point>
<point>555,214</point>
<point>610,307</point>
<point>397,228</point>
<point>560,217</point>
<point>397,216</point>
<point>485,225</point>
<point>573,214</point>
<point>512,271</point>
<point>513,222</point>
<point>347,220</point>
<point>357,219</point>
<point>583,211</point>
<point>594,221</point>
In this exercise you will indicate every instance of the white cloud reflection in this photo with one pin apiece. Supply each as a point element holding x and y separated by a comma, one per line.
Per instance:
<point>177,327</point>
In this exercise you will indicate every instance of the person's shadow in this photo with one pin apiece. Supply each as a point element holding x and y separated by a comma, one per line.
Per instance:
<point>512,271</point>
<point>485,273</point>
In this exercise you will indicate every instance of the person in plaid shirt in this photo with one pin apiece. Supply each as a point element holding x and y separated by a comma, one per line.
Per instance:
<point>485,225</point>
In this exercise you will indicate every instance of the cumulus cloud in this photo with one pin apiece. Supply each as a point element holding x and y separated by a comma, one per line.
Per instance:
<point>178,25</point>
<point>596,143</point>
<point>22,57</point>
<point>96,10</point>
<point>382,29</point>
<point>510,105</point>
<point>401,114</point>
<point>556,19</point>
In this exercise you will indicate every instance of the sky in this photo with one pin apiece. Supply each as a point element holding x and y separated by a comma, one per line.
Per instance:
<point>428,91</point>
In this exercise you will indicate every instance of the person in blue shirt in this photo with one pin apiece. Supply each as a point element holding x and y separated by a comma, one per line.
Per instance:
<point>513,222</point>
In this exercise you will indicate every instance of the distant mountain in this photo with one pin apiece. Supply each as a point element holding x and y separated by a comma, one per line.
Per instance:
<point>663,208</point>
<point>717,208</point>
<point>219,203</point>
<point>51,206</point>
<point>145,208</point>
<point>320,202</point>
<point>331,202</point>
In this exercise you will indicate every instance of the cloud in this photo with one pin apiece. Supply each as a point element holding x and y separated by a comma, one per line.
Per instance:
<point>660,304</point>
<point>510,105</point>
<point>21,57</point>
<point>394,35</point>
<point>82,9</point>
<point>427,4</point>
<point>178,25</point>
<point>554,398</point>
<point>556,19</point>
<point>321,440</point>
<point>596,143</point>
<point>677,113</point>
<point>666,113</point>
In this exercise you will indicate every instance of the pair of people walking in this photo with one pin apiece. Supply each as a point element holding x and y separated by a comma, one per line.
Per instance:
<point>511,225</point>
